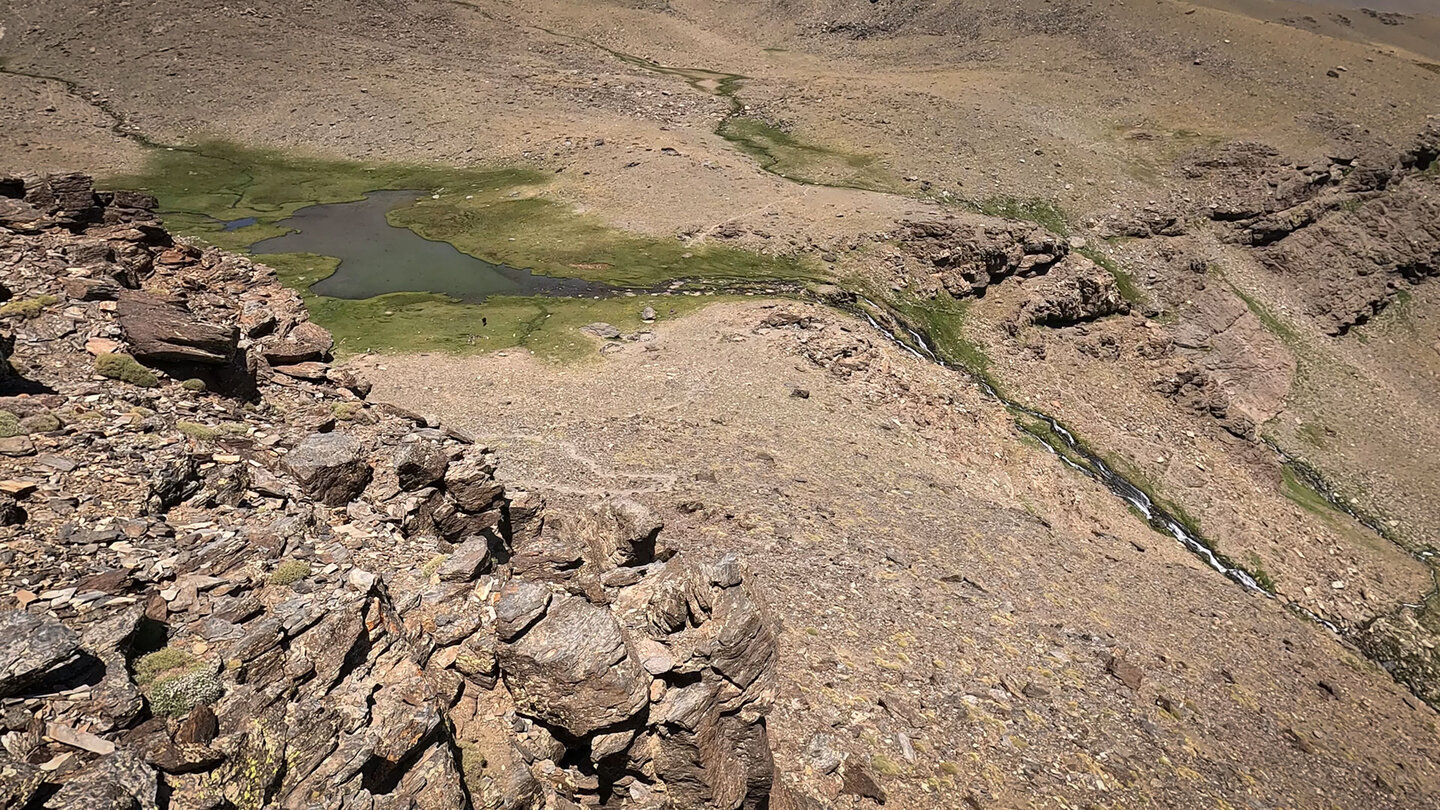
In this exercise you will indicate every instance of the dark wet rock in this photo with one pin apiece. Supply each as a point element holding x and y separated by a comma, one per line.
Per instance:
<point>330,467</point>
<point>30,646</point>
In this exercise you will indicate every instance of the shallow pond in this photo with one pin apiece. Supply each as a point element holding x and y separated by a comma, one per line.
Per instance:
<point>378,258</point>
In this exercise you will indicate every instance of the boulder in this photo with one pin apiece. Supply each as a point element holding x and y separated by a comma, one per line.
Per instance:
<point>163,330</point>
<point>30,646</point>
<point>473,485</point>
<point>572,670</point>
<point>330,467</point>
<point>420,463</point>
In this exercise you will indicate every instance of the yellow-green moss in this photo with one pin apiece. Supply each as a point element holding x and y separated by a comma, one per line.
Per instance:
<point>125,368</point>
<point>27,307</point>
<point>200,433</point>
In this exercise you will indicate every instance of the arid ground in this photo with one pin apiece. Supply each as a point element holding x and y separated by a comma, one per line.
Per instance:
<point>1203,236</point>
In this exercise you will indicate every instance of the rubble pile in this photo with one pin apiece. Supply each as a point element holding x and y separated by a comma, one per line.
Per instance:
<point>229,581</point>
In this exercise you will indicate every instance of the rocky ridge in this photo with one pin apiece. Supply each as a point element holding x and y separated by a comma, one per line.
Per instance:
<point>1352,230</point>
<point>230,581</point>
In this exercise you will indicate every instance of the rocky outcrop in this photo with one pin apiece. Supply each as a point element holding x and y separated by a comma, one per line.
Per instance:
<point>1351,231</point>
<point>302,599</point>
<point>1075,291</point>
<point>966,256</point>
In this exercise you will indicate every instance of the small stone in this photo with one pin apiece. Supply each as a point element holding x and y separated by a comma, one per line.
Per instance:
<point>1125,672</point>
<point>98,346</point>
<point>465,562</point>
<point>16,446</point>
<point>601,330</point>
<point>823,754</point>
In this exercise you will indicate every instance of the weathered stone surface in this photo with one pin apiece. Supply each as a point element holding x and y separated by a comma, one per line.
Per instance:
<point>330,467</point>
<point>465,562</point>
<point>19,781</point>
<point>163,330</point>
<point>473,485</point>
<point>292,656</point>
<point>120,781</point>
<point>1074,291</point>
<point>421,463</point>
<point>31,645</point>
<point>966,257</point>
<point>572,669</point>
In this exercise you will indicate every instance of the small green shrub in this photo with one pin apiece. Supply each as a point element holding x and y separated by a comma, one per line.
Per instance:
<point>125,368</point>
<point>289,572</point>
<point>9,425</point>
<point>27,307</point>
<point>193,384</point>
<point>179,694</point>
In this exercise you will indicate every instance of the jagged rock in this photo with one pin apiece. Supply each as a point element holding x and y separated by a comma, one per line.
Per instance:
<point>171,482</point>
<point>969,256</point>
<point>421,463</point>
<point>623,533</point>
<point>120,781</point>
<point>859,782</point>
<point>30,646</point>
<point>1074,291</point>
<point>465,561</point>
<point>19,781</point>
<point>473,485</point>
<point>330,467</point>
<point>67,196</point>
<point>11,512</point>
<point>571,669</point>
<point>162,330</point>
<point>261,631</point>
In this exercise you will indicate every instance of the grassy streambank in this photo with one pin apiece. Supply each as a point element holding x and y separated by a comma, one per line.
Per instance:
<point>233,196</point>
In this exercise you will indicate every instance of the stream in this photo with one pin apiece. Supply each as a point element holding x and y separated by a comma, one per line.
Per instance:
<point>1062,444</point>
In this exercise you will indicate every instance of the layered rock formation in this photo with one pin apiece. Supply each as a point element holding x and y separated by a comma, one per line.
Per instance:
<point>1351,231</point>
<point>228,581</point>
